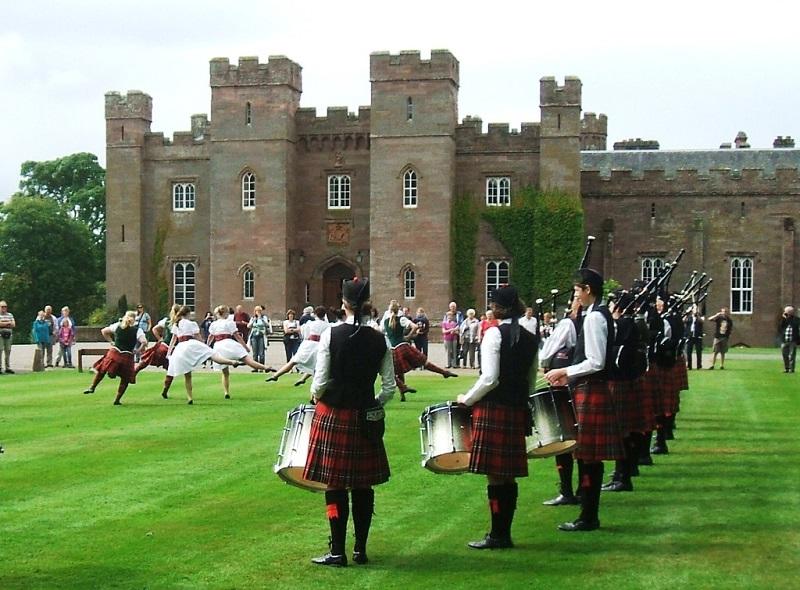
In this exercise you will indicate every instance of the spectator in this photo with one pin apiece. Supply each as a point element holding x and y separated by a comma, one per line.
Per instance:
<point>468,332</point>
<point>7,325</point>
<point>308,314</point>
<point>790,337</point>
<point>423,327</point>
<point>51,324</point>
<point>722,334</point>
<point>528,321</point>
<point>291,334</point>
<point>144,322</point>
<point>486,323</point>
<point>41,334</point>
<point>241,318</point>
<point>65,319</point>
<point>260,327</point>
<point>450,336</point>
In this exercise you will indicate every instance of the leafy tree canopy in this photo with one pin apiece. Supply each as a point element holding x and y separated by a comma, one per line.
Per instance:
<point>76,182</point>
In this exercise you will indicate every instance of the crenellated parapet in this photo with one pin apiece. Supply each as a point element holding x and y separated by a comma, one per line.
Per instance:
<point>594,131</point>
<point>551,94</point>
<point>339,130</point>
<point>135,104</point>
<point>409,65</point>
<point>278,71</point>
<point>470,137</point>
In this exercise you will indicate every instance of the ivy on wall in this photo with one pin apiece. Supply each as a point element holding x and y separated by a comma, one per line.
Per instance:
<point>542,232</point>
<point>161,287</point>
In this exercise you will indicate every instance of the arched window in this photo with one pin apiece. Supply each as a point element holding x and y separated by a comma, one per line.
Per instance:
<point>248,114</point>
<point>498,191</point>
<point>248,284</point>
<point>183,196</point>
<point>651,265</point>
<point>183,283</point>
<point>338,191</point>
<point>742,284</point>
<point>248,191</point>
<point>409,284</point>
<point>496,275</point>
<point>410,189</point>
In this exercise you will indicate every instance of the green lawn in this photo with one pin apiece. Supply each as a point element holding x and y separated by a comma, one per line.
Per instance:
<point>158,494</point>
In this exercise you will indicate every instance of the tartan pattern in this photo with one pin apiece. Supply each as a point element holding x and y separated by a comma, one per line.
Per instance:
<point>683,373</point>
<point>498,440</point>
<point>669,384</point>
<point>406,358</point>
<point>339,455</point>
<point>648,399</point>
<point>632,412</point>
<point>155,356</point>
<point>599,434</point>
<point>117,364</point>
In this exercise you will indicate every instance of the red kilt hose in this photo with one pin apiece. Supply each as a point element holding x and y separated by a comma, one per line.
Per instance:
<point>498,440</point>
<point>117,364</point>
<point>406,358</point>
<point>339,454</point>
<point>156,356</point>
<point>599,434</point>
<point>631,412</point>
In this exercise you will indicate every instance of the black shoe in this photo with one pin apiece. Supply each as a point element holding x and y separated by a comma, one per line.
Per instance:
<point>117,402</point>
<point>299,383</point>
<point>562,500</point>
<point>450,374</point>
<point>617,486</point>
<point>88,391</point>
<point>190,402</point>
<point>254,370</point>
<point>411,390</point>
<point>9,372</point>
<point>579,525</point>
<point>331,560</point>
<point>271,379</point>
<point>711,368</point>
<point>722,368</point>
<point>402,397</point>
<point>490,542</point>
<point>360,557</point>
<point>164,395</point>
<point>635,471</point>
<point>659,450</point>
<point>646,460</point>
<point>227,396</point>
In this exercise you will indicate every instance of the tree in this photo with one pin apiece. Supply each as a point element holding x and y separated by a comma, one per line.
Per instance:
<point>77,183</point>
<point>46,258</point>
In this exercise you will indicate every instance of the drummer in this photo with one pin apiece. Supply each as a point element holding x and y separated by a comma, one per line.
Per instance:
<point>500,414</point>
<point>599,436</point>
<point>346,449</point>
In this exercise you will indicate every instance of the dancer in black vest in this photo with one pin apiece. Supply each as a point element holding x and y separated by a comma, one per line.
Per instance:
<point>599,437</point>
<point>346,449</point>
<point>500,414</point>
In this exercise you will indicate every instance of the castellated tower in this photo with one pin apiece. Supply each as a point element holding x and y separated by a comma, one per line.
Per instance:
<point>253,108</point>
<point>412,174</point>
<point>560,155</point>
<point>128,120</point>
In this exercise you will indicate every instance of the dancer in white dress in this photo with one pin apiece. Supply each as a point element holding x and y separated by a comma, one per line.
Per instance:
<point>187,351</point>
<point>306,356</point>
<point>226,340</point>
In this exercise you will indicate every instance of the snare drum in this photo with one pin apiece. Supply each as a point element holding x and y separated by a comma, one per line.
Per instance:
<point>293,451</point>
<point>446,437</point>
<point>555,427</point>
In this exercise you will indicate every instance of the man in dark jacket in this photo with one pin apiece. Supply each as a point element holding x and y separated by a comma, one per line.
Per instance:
<point>789,334</point>
<point>693,330</point>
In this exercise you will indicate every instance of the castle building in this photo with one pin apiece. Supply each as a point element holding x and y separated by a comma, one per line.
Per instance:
<point>267,203</point>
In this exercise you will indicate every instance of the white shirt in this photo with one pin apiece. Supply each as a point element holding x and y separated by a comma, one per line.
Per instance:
<point>314,327</point>
<point>323,366</point>
<point>530,324</point>
<point>185,327</point>
<point>595,336</point>
<point>563,336</point>
<point>222,326</point>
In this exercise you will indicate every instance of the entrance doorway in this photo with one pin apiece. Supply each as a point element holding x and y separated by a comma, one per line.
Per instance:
<point>332,284</point>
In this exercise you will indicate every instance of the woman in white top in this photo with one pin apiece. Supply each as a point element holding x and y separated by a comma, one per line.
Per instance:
<point>226,340</point>
<point>306,356</point>
<point>187,351</point>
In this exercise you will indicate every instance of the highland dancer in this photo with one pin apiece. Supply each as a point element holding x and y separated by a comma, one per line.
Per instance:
<point>306,356</point>
<point>405,356</point>
<point>156,355</point>
<point>187,352</point>
<point>227,342</point>
<point>126,338</point>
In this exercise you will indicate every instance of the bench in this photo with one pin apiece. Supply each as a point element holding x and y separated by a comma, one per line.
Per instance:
<point>89,351</point>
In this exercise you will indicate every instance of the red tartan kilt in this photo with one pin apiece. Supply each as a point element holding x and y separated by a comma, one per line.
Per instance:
<point>599,434</point>
<point>117,364</point>
<point>498,440</point>
<point>648,400</point>
<point>669,386</point>
<point>628,397</point>
<point>339,455</point>
<point>406,358</point>
<point>156,356</point>
<point>683,373</point>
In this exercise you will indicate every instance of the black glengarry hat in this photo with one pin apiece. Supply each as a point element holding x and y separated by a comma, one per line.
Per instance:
<point>505,296</point>
<point>590,277</point>
<point>356,291</point>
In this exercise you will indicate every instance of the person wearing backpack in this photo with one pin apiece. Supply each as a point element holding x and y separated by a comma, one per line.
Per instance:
<point>599,436</point>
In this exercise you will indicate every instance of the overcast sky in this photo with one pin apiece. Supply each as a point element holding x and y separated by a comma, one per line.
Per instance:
<point>688,74</point>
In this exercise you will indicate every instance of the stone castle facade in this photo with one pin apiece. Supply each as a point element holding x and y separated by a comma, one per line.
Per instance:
<point>267,203</point>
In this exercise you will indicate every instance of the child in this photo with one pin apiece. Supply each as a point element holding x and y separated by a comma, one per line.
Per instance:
<point>66,338</point>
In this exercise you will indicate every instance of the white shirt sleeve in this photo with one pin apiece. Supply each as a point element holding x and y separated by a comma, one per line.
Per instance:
<point>387,378</point>
<point>490,367</point>
<point>563,336</point>
<point>323,367</point>
<point>595,336</point>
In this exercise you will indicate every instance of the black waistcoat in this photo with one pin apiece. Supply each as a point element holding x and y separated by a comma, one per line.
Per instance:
<point>580,346</point>
<point>515,365</point>
<point>355,362</point>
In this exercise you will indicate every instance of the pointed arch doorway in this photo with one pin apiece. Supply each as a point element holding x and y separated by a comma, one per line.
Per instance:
<point>332,284</point>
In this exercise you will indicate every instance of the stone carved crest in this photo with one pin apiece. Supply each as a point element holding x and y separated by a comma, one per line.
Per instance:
<point>338,159</point>
<point>338,233</point>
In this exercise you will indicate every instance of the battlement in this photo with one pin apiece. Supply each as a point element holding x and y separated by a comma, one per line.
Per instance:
<point>408,65</point>
<point>734,172</point>
<point>636,144</point>
<point>337,119</point>
<point>551,94</point>
<point>499,136</point>
<point>134,105</point>
<point>278,71</point>
<point>199,126</point>
<point>592,123</point>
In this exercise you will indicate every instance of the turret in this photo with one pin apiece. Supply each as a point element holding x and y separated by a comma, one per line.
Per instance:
<point>559,158</point>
